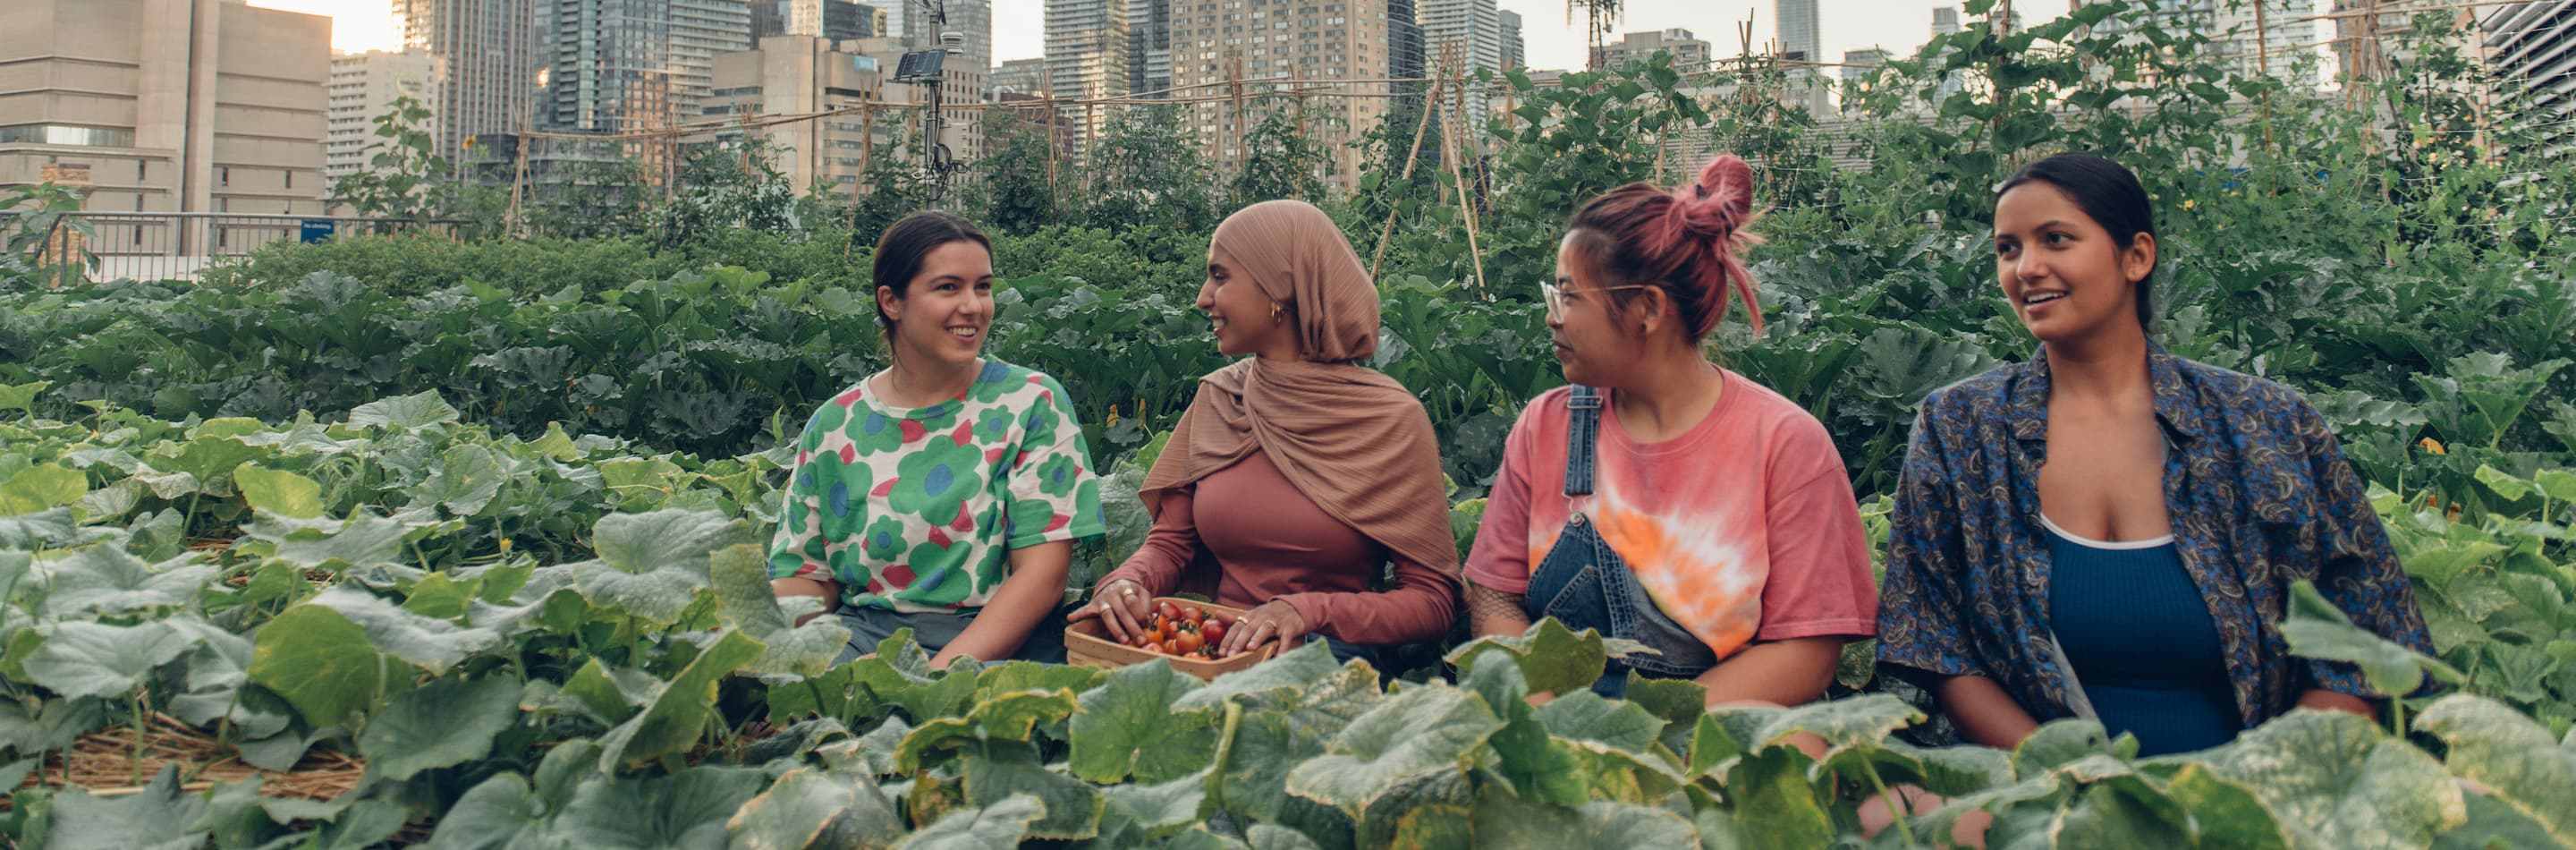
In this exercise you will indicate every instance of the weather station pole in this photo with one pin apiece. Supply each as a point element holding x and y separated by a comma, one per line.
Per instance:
<point>926,67</point>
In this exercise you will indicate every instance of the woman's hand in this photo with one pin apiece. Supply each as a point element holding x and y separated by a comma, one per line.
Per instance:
<point>1121,604</point>
<point>1274,620</point>
<point>828,591</point>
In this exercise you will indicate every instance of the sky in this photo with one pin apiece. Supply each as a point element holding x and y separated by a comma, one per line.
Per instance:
<point>1019,28</point>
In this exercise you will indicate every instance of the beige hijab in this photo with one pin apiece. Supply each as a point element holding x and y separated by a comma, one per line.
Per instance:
<point>1347,436</point>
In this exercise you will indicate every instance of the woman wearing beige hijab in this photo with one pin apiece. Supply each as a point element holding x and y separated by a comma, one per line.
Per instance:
<point>1297,474</point>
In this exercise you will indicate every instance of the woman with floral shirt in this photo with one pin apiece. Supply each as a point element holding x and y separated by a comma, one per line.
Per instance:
<point>942,494</point>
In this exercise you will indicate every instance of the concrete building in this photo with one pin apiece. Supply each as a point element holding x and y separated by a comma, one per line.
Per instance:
<point>166,106</point>
<point>1405,56</point>
<point>1861,64</point>
<point>2531,55</point>
<point>1801,41</point>
<point>800,74</point>
<point>484,56</point>
<point>1472,31</point>
<point>1945,20</point>
<point>1515,53</point>
<point>961,93</point>
<point>1087,47</point>
<point>830,19</point>
<point>1689,51</point>
<point>363,88</point>
<point>622,65</point>
<point>1280,41</point>
<point>1021,76</point>
<point>1149,47</point>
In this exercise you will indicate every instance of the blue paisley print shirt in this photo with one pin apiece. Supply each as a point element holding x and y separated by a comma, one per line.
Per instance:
<point>2259,496</point>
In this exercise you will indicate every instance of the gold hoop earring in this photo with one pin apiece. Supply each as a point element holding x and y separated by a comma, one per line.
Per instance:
<point>1278,312</point>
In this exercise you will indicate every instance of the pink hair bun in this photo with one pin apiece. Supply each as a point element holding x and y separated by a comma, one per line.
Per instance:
<point>1720,201</point>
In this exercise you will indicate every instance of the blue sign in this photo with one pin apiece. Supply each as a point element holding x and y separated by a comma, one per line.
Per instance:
<point>318,230</point>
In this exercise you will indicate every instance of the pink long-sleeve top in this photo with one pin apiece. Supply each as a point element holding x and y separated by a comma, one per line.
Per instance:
<point>1268,541</point>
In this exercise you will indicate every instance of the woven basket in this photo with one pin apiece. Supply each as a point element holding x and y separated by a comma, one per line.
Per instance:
<point>1087,644</point>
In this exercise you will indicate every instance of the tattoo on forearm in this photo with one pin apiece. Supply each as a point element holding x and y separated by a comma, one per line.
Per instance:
<point>1486,605</point>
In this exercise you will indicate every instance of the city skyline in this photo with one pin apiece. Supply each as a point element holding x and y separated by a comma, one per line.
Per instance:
<point>1898,26</point>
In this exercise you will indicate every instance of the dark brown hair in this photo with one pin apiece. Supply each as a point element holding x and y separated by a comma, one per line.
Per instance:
<point>1683,241</point>
<point>2110,194</point>
<point>905,246</point>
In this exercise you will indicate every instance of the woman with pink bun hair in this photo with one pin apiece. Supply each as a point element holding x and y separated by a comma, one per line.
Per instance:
<point>1663,498</point>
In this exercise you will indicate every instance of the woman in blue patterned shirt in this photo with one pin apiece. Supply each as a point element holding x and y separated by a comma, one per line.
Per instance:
<point>2138,574</point>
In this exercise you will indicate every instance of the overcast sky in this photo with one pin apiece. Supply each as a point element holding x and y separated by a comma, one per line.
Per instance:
<point>1019,27</point>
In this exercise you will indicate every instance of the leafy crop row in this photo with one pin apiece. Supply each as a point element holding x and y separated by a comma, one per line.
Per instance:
<point>569,642</point>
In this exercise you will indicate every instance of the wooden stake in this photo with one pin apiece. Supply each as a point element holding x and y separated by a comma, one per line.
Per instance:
<point>1466,200</point>
<point>1051,141</point>
<point>519,183</point>
<point>1421,127</point>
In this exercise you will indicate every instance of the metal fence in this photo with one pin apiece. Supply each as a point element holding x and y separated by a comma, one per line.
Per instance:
<point>180,245</point>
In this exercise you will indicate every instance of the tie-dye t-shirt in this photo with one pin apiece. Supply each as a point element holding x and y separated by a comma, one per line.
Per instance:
<point>1743,529</point>
<point>918,509</point>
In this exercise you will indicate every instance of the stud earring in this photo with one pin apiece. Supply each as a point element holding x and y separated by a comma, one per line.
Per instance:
<point>1278,312</point>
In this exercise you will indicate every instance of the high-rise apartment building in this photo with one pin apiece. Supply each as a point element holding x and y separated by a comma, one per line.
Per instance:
<point>1087,47</point>
<point>1471,31</point>
<point>364,87</point>
<point>798,74</point>
<point>1799,38</point>
<point>623,65</point>
<point>2531,55</point>
<point>1404,48</point>
<point>1861,64</point>
<point>974,20</point>
<point>1514,51</point>
<point>483,56</point>
<point>1945,20</point>
<point>836,20</point>
<point>1689,51</point>
<point>1149,47</point>
<point>1273,41</point>
<point>166,105</point>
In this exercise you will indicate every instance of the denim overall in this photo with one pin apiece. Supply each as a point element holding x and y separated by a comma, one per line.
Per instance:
<point>1583,584</point>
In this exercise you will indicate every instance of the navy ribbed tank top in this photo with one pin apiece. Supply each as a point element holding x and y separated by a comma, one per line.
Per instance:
<point>2141,641</point>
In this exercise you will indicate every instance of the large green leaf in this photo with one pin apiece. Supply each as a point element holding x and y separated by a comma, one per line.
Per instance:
<point>740,575</point>
<point>51,726</point>
<point>1286,675</point>
<point>1132,724</point>
<point>1136,813</point>
<point>1538,767</point>
<point>468,477</point>
<point>1585,716</point>
<point>806,805</point>
<point>432,643</point>
<point>108,580</point>
<point>1504,823</point>
<point>362,540</point>
<point>1775,806</point>
<point>1002,824</point>
<point>1002,770</point>
<point>41,487</point>
<point>499,813</point>
<point>2512,756</point>
<point>2224,813</point>
<point>679,714</point>
<point>1417,732</point>
<point>2317,629</point>
<point>320,662</point>
<point>651,565</point>
<point>279,492</point>
<point>2334,780</point>
<point>2123,811</point>
<point>1552,658</point>
<point>682,811</point>
<point>82,658</point>
<point>160,817</point>
<point>39,530</point>
<point>409,412</point>
<point>447,723</point>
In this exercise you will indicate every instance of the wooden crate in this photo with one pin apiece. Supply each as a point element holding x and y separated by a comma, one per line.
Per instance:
<point>1087,644</point>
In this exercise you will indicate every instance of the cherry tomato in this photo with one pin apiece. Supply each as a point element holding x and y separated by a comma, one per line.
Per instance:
<point>1212,631</point>
<point>1189,641</point>
<point>1169,611</point>
<point>1192,613</point>
<point>1171,647</point>
<point>1154,636</point>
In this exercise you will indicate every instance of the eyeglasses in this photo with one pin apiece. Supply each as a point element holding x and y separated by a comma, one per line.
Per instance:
<point>1559,300</point>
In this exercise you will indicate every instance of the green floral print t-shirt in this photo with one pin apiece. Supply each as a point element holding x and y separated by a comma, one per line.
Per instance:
<point>918,509</point>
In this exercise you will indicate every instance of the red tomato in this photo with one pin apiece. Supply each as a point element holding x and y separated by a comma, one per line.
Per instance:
<point>1192,613</point>
<point>1169,611</point>
<point>1171,647</point>
<point>1213,631</point>
<point>1189,641</point>
<point>1154,636</point>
